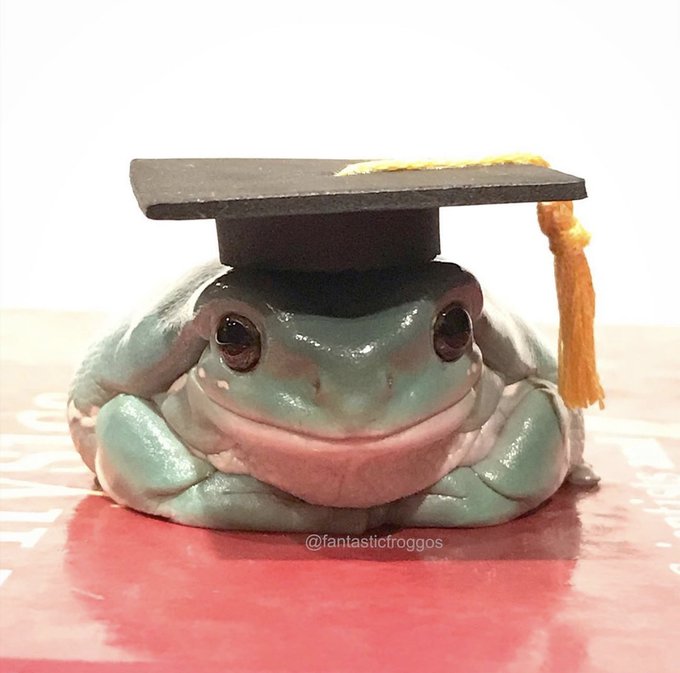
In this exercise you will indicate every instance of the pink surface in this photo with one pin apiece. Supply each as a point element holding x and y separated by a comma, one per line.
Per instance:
<point>590,582</point>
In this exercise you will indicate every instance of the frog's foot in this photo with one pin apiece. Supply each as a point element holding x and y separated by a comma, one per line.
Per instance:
<point>526,465</point>
<point>583,476</point>
<point>141,463</point>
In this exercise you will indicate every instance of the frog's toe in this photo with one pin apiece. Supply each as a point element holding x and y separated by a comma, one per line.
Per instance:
<point>583,476</point>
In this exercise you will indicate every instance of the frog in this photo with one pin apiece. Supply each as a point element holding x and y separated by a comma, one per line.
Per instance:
<point>269,400</point>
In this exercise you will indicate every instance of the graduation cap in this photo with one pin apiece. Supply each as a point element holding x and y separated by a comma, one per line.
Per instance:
<point>320,215</point>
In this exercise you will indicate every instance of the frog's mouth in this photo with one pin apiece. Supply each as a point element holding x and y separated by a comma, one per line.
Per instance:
<point>352,471</point>
<point>423,431</point>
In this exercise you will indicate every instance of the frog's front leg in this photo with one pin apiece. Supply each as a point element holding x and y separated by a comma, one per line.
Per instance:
<point>527,464</point>
<point>144,465</point>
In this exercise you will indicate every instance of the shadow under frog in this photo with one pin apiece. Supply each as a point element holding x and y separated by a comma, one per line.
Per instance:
<point>283,401</point>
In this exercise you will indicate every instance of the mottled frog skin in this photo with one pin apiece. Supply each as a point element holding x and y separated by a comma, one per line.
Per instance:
<point>364,399</point>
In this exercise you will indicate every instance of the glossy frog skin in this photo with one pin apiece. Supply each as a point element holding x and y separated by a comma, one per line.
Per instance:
<point>325,402</point>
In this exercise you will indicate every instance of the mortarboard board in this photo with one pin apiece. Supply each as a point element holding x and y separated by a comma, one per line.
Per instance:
<point>299,214</point>
<point>336,215</point>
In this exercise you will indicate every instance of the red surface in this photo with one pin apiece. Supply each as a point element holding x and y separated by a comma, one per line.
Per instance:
<point>590,582</point>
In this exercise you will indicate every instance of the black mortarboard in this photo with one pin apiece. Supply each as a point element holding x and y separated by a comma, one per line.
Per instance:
<point>300,214</point>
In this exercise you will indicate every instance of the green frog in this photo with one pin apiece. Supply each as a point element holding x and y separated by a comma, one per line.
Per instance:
<point>326,402</point>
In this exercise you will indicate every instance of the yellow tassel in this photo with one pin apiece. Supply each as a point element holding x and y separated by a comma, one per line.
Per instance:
<point>578,381</point>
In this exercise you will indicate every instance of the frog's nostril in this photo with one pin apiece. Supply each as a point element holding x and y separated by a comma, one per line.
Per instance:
<point>390,381</point>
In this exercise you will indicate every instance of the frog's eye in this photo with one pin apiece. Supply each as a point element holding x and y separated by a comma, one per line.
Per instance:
<point>239,341</point>
<point>452,332</point>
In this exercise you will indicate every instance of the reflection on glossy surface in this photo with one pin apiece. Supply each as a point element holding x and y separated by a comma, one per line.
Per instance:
<point>185,591</point>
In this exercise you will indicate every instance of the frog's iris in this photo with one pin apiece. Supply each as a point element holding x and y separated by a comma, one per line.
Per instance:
<point>452,332</point>
<point>239,342</point>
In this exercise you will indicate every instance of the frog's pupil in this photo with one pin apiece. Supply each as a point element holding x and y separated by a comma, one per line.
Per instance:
<point>452,333</point>
<point>233,335</point>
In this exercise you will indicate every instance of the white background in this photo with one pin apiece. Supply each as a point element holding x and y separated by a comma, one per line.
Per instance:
<point>87,86</point>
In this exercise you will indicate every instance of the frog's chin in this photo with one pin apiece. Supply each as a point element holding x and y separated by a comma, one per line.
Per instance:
<point>353,471</point>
